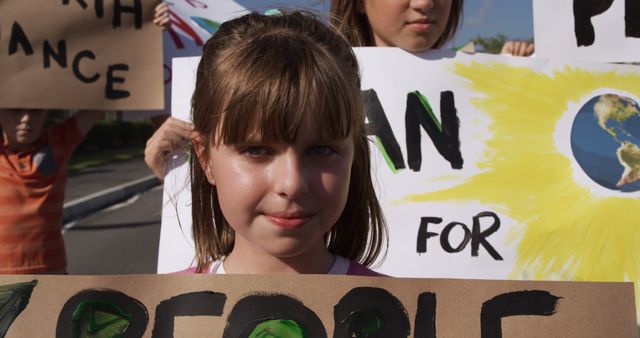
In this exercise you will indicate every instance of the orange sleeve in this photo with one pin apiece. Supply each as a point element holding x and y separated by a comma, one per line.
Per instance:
<point>65,136</point>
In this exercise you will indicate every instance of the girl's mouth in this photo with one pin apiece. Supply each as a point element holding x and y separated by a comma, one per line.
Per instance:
<point>288,220</point>
<point>421,24</point>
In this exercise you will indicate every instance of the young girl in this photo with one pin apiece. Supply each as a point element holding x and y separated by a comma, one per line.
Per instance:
<point>413,25</point>
<point>281,182</point>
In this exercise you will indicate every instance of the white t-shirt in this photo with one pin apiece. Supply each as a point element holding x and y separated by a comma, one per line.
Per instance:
<point>340,267</point>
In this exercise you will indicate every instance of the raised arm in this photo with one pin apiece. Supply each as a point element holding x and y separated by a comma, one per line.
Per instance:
<point>86,119</point>
<point>172,135</point>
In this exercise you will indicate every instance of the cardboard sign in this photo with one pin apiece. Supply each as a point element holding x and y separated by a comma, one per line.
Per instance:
<point>77,54</point>
<point>542,184</point>
<point>600,30</point>
<point>310,306</point>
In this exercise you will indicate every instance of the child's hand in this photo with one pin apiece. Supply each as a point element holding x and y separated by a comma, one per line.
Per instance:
<point>172,135</point>
<point>518,48</point>
<point>161,17</point>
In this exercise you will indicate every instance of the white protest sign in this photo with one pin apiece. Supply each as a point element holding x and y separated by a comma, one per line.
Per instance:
<point>543,183</point>
<point>601,31</point>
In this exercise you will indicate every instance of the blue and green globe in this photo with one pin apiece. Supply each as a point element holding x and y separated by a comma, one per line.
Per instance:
<point>605,141</point>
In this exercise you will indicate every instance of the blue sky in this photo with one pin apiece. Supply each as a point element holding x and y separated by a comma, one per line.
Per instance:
<point>487,18</point>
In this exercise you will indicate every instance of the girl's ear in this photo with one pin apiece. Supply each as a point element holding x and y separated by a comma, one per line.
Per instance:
<point>201,153</point>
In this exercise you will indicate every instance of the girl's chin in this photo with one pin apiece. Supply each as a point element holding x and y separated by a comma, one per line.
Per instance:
<point>416,45</point>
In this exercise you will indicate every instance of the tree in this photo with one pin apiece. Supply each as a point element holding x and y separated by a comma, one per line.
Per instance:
<point>491,45</point>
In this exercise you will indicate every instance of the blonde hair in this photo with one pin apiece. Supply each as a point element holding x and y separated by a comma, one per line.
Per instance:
<point>347,16</point>
<point>263,74</point>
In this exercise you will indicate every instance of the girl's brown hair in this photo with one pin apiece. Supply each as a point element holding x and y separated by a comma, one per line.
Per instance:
<point>261,75</point>
<point>347,16</point>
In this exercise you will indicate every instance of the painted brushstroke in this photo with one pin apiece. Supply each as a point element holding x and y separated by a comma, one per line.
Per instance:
<point>200,303</point>
<point>520,303</point>
<point>365,323</point>
<point>277,328</point>
<point>14,298</point>
<point>379,126</point>
<point>208,25</point>
<point>103,313</point>
<point>100,319</point>
<point>443,135</point>
<point>266,315</point>
<point>583,11</point>
<point>567,230</point>
<point>370,312</point>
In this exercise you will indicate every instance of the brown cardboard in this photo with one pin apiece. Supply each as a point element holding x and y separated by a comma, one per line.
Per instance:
<point>584,309</point>
<point>93,43</point>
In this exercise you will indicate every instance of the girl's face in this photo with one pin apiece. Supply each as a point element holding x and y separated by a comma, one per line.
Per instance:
<point>22,127</point>
<point>413,25</point>
<point>281,198</point>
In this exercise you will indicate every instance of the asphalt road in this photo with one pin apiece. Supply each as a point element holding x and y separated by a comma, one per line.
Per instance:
<point>122,239</point>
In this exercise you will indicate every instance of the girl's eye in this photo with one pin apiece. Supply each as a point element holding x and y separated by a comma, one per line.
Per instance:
<point>254,151</point>
<point>321,151</point>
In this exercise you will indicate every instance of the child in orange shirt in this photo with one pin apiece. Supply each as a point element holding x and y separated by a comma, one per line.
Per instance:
<point>33,176</point>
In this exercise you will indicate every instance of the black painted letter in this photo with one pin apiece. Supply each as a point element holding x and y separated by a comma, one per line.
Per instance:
<point>128,317</point>
<point>379,127</point>
<point>367,312</point>
<point>521,303</point>
<point>632,18</point>
<point>60,56</point>
<point>257,315</point>
<point>424,234</point>
<point>81,2</point>
<point>19,37</point>
<point>479,237</point>
<point>425,324</point>
<point>445,135</point>
<point>583,11</point>
<point>76,67</point>
<point>444,237</point>
<point>136,10</point>
<point>111,93</point>
<point>203,303</point>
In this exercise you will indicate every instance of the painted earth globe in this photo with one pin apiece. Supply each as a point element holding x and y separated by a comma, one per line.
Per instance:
<point>605,141</point>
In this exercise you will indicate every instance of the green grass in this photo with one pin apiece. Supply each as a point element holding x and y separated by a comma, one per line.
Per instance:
<point>88,160</point>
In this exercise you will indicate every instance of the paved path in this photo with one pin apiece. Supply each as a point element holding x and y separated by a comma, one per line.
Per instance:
<point>112,215</point>
<point>92,180</point>
<point>121,239</point>
<point>97,188</point>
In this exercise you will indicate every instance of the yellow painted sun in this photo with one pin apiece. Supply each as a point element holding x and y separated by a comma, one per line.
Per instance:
<point>566,230</point>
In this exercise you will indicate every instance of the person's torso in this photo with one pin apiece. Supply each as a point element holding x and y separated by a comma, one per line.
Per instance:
<point>32,186</point>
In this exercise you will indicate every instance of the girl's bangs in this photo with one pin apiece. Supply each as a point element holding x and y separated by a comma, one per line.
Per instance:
<point>288,85</point>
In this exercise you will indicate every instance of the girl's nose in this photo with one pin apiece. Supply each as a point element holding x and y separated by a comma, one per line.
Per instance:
<point>422,5</point>
<point>290,175</point>
<point>25,116</point>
